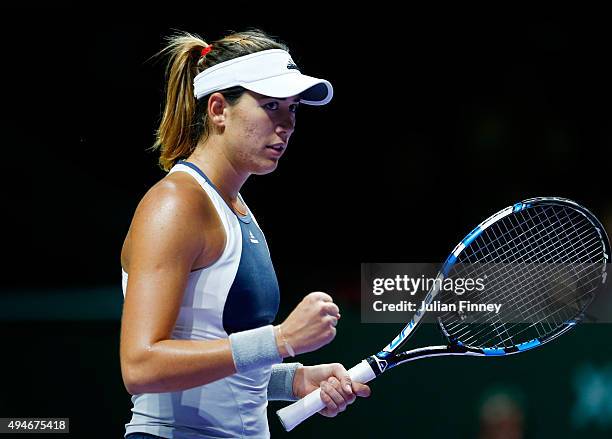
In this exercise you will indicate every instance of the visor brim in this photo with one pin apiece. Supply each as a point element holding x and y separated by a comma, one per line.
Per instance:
<point>312,91</point>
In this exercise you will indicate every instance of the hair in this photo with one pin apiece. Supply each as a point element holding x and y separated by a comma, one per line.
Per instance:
<point>184,121</point>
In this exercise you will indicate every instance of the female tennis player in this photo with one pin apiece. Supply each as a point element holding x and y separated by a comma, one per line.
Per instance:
<point>199,352</point>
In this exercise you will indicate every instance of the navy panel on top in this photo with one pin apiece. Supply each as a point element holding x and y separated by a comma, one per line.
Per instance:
<point>254,296</point>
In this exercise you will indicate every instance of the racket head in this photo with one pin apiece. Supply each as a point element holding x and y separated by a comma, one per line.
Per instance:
<point>545,258</point>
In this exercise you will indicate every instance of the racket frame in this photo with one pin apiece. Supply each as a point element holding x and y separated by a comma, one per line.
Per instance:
<point>387,358</point>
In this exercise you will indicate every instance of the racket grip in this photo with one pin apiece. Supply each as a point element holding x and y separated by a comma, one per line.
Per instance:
<point>294,414</point>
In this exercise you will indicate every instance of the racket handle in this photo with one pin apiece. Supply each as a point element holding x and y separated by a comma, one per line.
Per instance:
<point>294,414</point>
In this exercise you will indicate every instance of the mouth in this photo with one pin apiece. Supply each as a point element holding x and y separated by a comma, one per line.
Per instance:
<point>277,147</point>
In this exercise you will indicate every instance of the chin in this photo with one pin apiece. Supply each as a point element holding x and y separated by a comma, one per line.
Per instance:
<point>267,168</point>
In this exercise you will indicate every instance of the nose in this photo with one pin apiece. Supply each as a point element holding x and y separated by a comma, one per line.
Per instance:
<point>285,126</point>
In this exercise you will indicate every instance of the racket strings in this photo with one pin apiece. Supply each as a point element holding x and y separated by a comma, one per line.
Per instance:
<point>538,280</point>
<point>542,324</point>
<point>535,239</point>
<point>535,278</point>
<point>496,255</point>
<point>517,232</point>
<point>526,260</point>
<point>516,330</point>
<point>568,284</point>
<point>502,332</point>
<point>504,267</point>
<point>498,247</point>
<point>581,254</point>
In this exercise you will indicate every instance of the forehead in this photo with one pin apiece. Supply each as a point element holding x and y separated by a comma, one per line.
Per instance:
<point>258,96</point>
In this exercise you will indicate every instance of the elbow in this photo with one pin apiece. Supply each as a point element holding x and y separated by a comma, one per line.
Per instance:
<point>129,387</point>
<point>132,379</point>
<point>136,380</point>
<point>133,387</point>
<point>136,388</point>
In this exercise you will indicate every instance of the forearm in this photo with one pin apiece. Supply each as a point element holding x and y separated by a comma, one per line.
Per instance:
<point>173,365</point>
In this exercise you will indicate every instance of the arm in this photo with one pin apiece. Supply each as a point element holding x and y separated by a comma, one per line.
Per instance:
<point>172,228</point>
<point>166,238</point>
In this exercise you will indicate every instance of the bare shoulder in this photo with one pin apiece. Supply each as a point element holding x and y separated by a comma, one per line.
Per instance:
<point>173,216</point>
<point>174,195</point>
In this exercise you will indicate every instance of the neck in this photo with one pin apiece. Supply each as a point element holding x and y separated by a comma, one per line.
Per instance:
<point>209,156</point>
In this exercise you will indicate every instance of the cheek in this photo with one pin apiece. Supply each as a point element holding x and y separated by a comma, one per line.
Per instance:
<point>251,129</point>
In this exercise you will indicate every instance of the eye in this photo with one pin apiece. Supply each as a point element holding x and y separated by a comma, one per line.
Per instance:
<point>271,105</point>
<point>294,108</point>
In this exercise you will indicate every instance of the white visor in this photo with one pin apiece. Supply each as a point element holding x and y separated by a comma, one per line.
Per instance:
<point>269,72</point>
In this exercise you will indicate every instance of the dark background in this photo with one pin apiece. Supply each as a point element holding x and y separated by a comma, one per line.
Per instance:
<point>437,122</point>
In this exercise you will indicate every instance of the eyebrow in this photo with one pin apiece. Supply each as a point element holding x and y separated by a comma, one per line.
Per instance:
<point>281,99</point>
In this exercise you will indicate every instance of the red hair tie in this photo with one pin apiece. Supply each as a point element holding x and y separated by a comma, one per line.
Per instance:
<point>206,50</point>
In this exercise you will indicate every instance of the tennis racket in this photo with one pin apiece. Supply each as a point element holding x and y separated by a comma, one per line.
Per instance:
<point>544,258</point>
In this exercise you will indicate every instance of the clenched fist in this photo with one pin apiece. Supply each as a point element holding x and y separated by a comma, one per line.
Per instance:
<point>310,325</point>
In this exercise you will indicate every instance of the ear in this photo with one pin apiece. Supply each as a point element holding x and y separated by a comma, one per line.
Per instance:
<point>216,110</point>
